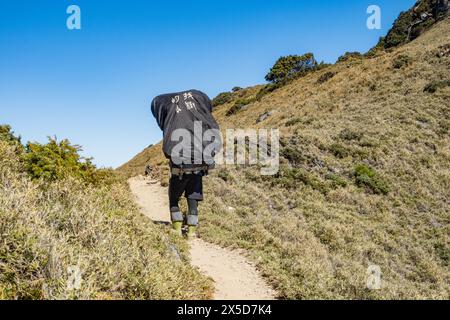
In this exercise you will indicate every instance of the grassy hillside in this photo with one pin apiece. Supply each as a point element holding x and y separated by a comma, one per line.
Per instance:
<point>325,218</point>
<point>53,228</point>
<point>364,179</point>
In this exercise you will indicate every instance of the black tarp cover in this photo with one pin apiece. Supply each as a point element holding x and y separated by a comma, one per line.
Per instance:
<point>180,111</point>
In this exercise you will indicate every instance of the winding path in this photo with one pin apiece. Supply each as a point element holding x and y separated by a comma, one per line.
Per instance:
<point>234,276</point>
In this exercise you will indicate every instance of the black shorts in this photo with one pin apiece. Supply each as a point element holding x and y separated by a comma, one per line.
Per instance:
<point>191,185</point>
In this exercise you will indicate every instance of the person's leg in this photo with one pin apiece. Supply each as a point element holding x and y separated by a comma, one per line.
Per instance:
<point>194,194</point>
<point>176,189</point>
<point>192,217</point>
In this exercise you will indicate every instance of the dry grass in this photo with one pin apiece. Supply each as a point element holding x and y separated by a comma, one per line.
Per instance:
<point>47,229</point>
<point>317,238</point>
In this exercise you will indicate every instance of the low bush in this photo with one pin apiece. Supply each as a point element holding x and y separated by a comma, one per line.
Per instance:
<point>238,105</point>
<point>366,177</point>
<point>350,135</point>
<point>434,86</point>
<point>339,151</point>
<point>268,88</point>
<point>336,180</point>
<point>350,56</point>
<point>325,77</point>
<point>222,98</point>
<point>224,175</point>
<point>293,122</point>
<point>291,178</point>
<point>293,155</point>
<point>56,161</point>
<point>401,61</point>
<point>6,134</point>
<point>289,67</point>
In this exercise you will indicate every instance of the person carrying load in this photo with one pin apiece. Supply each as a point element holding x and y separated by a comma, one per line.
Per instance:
<point>191,138</point>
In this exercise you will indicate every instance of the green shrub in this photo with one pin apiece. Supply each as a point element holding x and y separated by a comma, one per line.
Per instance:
<point>238,105</point>
<point>293,122</point>
<point>350,135</point>
<point>443,252</point>
<point>224,175</point>
<point>6,134</point>
<point>56,160</point>
<point>222,98</point>
<point>291,178</point>
<point>268,88</point>
<point>236,89</point>
<point>401,61</point>
<point>292,66</point>
<point>325,77</point>
<point>350,56</point>
<point>366,177</point>
<point>336,180</point>
<point>433,86</point>
<point>293,155</point>
<point>339,151</point>
<point>283,80</point>
<point>60,160</point>
<point>444,127</point>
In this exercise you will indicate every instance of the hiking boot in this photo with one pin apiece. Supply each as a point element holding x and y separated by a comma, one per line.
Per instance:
<point>192,232</point>
<point>176,228</point>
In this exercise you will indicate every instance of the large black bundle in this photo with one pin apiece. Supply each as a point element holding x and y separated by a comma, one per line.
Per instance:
<point>188,112</point>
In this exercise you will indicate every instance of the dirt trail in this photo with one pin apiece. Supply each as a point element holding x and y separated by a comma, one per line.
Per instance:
<point>235,278</point>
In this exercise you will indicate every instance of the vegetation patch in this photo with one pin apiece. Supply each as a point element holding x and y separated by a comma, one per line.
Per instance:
<point>350,56</point>
<point>287,69</point>
<point>269,88</point>
<point>366,177</point>
<point>401,61</point>
<point>293,122</point>
<point>443,252</point>
<point>58,160</point>
<point>350,135</point>
<point>337,181</point>
<point>222,98</point>
<point>326,77</point>
<point>293,155</point>
<point>339,151</point>
<point>7,135</point>
<point>290,67</point>
<point>434,86</point>
<point>225,175</point>
<point>239,105</point>
<point>291,178</point>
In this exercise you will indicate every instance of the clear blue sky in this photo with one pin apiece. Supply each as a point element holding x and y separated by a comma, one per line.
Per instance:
<point>94,85</point>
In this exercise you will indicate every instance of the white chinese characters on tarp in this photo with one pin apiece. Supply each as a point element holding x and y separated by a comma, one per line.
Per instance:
<point>176,99</point>
<point>189,102</point>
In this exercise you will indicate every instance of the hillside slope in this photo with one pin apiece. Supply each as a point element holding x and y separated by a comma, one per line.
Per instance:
<point>364,180</point>
<point>68,239</point>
